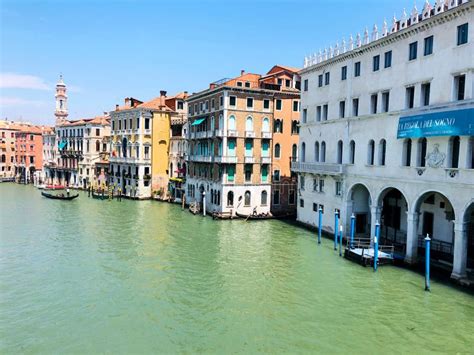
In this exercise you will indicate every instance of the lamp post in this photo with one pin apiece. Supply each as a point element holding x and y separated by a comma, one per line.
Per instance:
<point>427,263</point>
<point>320,224</point>
<point>204,203</point>
<point>336,224</point>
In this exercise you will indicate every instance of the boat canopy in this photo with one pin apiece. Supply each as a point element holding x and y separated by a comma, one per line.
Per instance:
<point>198,121</point>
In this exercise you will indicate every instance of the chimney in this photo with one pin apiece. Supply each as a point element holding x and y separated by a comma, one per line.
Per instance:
<point>162,98</point>
<point>116,107</point>
<point>242,72</point>
<point>127,102</point>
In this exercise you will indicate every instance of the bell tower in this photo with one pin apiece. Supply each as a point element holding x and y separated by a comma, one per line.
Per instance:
<point>61,101</point>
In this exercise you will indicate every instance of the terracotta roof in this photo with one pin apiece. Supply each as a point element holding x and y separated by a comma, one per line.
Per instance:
<point>84,121</point>
<point>289,68</point>
<point>155,104</point>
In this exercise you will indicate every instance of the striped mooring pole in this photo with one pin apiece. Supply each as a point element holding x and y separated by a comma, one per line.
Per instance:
<point>340,239</point>
<point>376,245</point>
<point>352,230</point>
<point>336,228</point>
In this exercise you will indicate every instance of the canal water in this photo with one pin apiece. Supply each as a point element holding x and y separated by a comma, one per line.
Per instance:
<point>92,276</point>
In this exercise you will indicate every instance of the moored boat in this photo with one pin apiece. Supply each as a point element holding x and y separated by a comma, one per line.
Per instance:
<point>54,187</point>
<point>60,196</point>
<point>99,195</point>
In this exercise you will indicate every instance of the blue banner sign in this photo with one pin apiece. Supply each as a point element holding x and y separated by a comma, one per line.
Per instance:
<point>446,123</point>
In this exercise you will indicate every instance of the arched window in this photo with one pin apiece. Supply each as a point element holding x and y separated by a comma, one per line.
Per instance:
<point>339,152</point>
<point>266,125</point>
<point>382,151</point>
<point>294,152</point>
<point>278,126</point>
<point>232,122</point>
<point>371,152</point>
<point>249,124</point>
<point>352,152</point>
<point>221,122</point>
<point>316,152</point>
<point>303,152</point>
<point>295,129</point>
<point>277,151</point>
<point>247,198</point>
<point>264,198</point>
<point>213,123</point>
<point>230,199</point>
<point>421,156</point>
<point>453,152</point>
<point>323,152</point>
<point>97,146</point>
<point>406,152</point>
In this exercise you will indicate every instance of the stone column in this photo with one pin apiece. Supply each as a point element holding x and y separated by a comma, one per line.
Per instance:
<point>412,238</point>
<point>376,213</point>
<point>460,250</point>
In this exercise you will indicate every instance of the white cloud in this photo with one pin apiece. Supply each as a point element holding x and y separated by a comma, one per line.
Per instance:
<point>18,101</point>
<point>22,81</point>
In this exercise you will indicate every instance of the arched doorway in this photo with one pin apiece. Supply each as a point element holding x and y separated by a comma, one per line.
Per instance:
<point>359,203</point>
<point>436,218</point>
<point>393,221</point>
<point>469,224</point>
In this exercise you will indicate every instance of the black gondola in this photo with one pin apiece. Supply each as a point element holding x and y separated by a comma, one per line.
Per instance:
<point>59,197</point>
<point>99,195</point>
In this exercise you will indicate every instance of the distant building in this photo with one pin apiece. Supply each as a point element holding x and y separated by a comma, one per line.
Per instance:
<point>7,148</point>
<point>140,145</point>
<point>242,134</point>
<point>28,153</point>
<point>387,135</point>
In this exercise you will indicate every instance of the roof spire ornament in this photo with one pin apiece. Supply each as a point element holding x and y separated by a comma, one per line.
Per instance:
<point>343,45</point>
<point>351,42</point>
<point>426,10</point>
<point>384,28</point>
<point>404,20</point>
<point>336,49</point>
<point>325,54</point>
<point>394,24</point>
<point>366,36</point>
<point>375,33</point>
<point>358,41</point>
<point>320,56</point>
<point>414,15</point>
<point>331,52</point>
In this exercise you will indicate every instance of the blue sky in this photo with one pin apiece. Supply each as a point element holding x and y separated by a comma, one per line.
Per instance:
<point>108,50</point>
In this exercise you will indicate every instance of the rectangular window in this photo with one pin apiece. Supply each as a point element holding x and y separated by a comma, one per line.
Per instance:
<point>463,31</point>
<point>410,97</point>
<point>302,184</point>
<point>221,101</point>
<point>315,207</point>
<point>320,80</point>
<point>301,203</point>
<point>425,94</point>
<point>342,109</point>
<point>385,101</point>
<point>232,101</point>
<point>239,84</point>
<point>306,85</point>
<point>276,197</point>
<point>338,188</point>
<point>291,197</point>
<point>287,83</point>
<point>325,112</point>
<point>296,105</point>
<point>376,63</point>
<point>373,103</point>
<point>318,113</point>
<point>97,131</point>
<point>355,107</point>
<point>230,173</point>
<point>278,105</point>
<point>248,172</point>
<point>147,123</point>
<point>388,59</point>
<point>213,104</point>
<point>138,122</point>
<point>459,87</point>
<point>344,72</point>
<point>315,184</point>
<point>247,84</point>
<point>266,104</point>
<point>327,78</point>
<point>276,175</point>
<point>249,102</point>
<point>428,45</point>
<point>413,51</point>
<point>305,115</point>
<point>264,172</point>
<point>357,69</point>
<point>321,185</point>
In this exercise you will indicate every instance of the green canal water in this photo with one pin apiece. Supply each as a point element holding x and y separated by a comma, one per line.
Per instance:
<point>92,276</point>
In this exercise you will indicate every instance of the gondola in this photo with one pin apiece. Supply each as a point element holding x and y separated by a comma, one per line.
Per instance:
<point>99,195</point>
<point>255,217</point>
<point>59,197</point>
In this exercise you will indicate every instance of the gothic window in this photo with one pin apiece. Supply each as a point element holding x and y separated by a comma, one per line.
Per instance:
<point>422,147</point>
<point>339,152</point>
<point>371,152</point>
<point>247,198</point>
<point>352,152</point>
<point>407,152</point>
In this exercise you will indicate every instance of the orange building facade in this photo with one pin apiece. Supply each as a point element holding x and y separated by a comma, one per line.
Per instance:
<point>28,153</point>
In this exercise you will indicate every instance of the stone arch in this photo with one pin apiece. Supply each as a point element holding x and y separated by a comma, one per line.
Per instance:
<point>359,202</point>
<point>468,224</point>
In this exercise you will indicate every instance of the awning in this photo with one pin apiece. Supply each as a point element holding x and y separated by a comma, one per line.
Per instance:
<point>442,123</point>
<point>176,179</point>
<point>62,144</point>
<point>198,121</point>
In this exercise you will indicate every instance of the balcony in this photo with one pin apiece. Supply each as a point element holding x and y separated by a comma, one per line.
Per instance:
<point>201,158</point>
<point>318,168</point>
<point>232,133</point>
<point>219,133</point>
<point>225,160</point>
<point>266,160</point>
<point>249,134</point>
<point>147,132</point>
<point>204,134</point>
<point>249,160</point>
<point>266,135</point>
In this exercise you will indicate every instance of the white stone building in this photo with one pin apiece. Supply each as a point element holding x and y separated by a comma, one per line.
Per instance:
<point>387,134</point>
